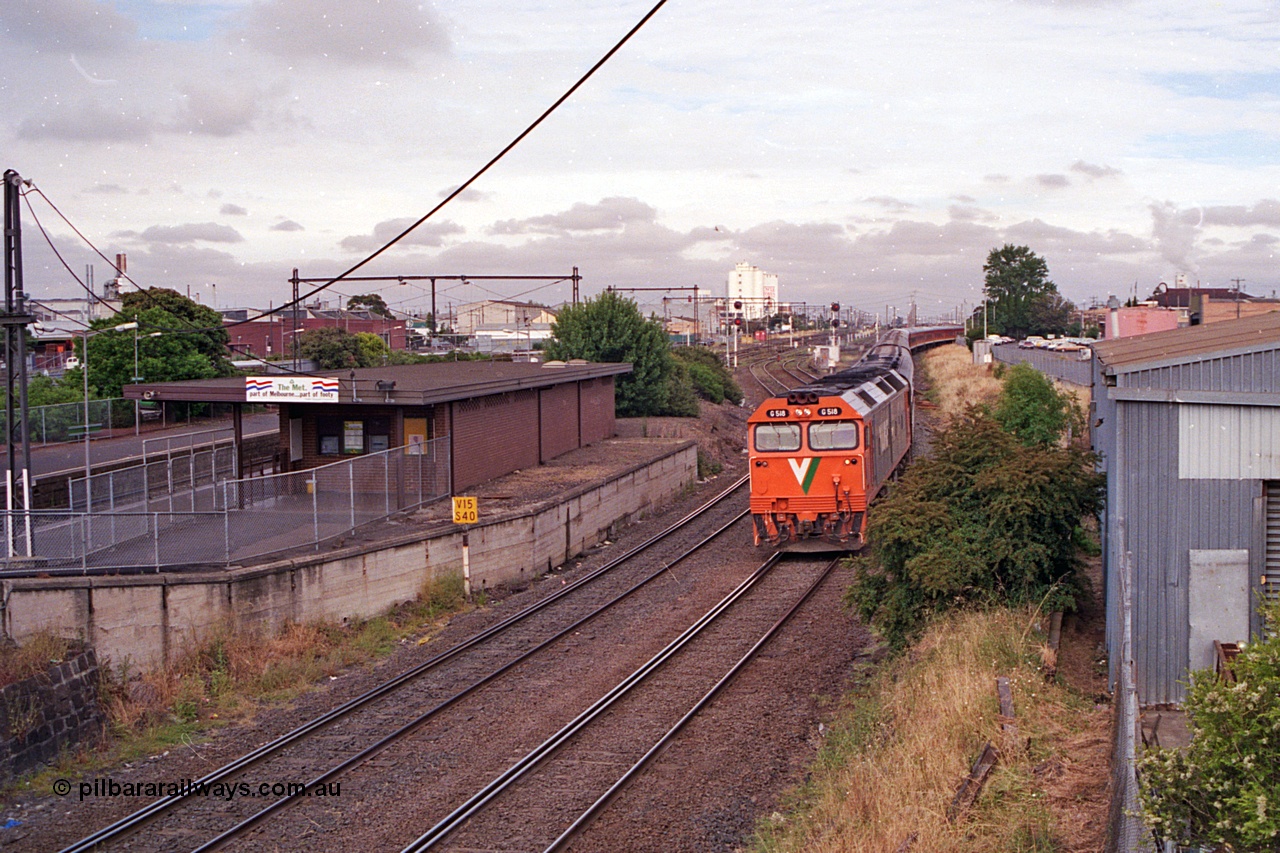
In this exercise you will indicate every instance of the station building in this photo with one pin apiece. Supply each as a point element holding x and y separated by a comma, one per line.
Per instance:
<point>1187,423</point>
<point>495,417</point>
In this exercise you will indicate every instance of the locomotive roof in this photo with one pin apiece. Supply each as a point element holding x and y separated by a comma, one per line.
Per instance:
<point>878,361</point>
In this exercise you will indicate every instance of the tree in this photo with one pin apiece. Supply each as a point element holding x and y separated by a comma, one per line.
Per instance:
<point>373,349</point>
<point>1223,788</point>
<point>1031,409</point>
<point>371,302</point>
<point>191,343</point>
<point>610,328</point>
<point>1016,278</point>
<point>201,325</point>
<point>331,348</point>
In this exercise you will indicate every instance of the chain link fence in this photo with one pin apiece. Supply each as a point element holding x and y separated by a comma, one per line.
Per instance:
<point>185,481</point>
<point>1128,833</point>
<point>248,518</point>
<point>1073,367</point>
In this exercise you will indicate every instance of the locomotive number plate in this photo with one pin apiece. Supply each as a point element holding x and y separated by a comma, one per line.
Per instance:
<point>778,413</point>
<point>827,411</point>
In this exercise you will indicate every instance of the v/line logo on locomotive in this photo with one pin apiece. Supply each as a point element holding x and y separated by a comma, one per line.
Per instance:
<point>855,426</point>
<point>804,469</point>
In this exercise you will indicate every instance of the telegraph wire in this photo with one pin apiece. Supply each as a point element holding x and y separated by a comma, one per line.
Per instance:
<point>58,255</point>
<point>33,188</point>
<point>466,184</point>
<point>411,228</point>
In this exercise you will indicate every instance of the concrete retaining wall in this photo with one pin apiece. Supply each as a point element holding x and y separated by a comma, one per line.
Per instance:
<point>149,619</point>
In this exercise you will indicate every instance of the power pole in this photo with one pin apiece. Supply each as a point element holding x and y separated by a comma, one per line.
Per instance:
<point>15,320</point>
<point>1238,281</point>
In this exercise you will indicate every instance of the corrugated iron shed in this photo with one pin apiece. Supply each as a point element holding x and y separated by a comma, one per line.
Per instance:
<point>1179,346</point>
<point>1187,424</point>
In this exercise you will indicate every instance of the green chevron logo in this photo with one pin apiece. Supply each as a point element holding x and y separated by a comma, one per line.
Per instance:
<point>804,471</point>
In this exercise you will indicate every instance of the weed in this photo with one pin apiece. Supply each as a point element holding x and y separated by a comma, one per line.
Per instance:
<point>707,467</point>
<point>32,657</point>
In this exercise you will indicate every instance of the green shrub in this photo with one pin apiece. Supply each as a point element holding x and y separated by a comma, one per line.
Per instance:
<point>1031,408</point>
<point>1224,788</point>
<point>985,519</point>
<point>711,379</point>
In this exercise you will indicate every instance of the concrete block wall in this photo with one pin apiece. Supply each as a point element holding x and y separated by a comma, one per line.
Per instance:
<point>49,712</point>
<point>149,619</point>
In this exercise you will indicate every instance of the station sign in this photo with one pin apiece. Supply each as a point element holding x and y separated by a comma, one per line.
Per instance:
<point>290,389</point>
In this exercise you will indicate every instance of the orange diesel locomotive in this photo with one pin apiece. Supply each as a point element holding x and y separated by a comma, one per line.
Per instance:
<point>821,453</point>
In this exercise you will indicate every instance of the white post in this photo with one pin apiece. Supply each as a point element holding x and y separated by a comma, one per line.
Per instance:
<point>466,566</point>
<point>8,516</point>
<point>26,503</point>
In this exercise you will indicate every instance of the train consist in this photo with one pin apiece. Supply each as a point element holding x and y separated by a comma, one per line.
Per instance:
<point>820,454</point>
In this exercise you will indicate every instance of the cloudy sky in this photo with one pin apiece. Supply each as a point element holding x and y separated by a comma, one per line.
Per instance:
<point>872,152</point>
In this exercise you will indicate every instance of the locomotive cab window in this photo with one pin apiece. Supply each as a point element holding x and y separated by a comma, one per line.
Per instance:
<point>777,437</point>
<point>833,435</point>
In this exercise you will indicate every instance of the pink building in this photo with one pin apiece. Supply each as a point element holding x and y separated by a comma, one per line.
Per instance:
<point>1139,320</point>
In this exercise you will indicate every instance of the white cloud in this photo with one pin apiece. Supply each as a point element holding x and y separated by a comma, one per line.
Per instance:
<point>388,33</point>
<point>208,232</point>
<point>66,25</point>
<point>427,234</point>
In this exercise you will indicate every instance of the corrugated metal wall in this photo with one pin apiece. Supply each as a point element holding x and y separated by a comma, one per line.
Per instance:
<point>1181,476</point>
<point>1272,543</point>
<point>1249,373</point>
<point>1166,518</point>
<point>558,416</point>
<point>1228,442</point>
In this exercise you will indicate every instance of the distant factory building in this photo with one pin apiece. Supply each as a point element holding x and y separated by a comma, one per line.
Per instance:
<point>756,289</point>
<point>473,318</point>
<point>1187,423</point>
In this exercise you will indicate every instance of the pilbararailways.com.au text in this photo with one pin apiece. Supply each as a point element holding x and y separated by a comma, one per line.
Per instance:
<point>194,788</point>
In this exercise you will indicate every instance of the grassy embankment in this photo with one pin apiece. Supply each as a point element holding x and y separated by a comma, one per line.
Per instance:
<point>227,676</point>
<point>907,736</point>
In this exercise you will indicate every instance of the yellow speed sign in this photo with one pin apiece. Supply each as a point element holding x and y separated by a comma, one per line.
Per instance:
<point>465,511</point>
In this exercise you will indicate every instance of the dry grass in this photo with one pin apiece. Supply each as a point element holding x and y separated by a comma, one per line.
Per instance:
<point>230,672</point>
<point>891,764</point>
<point>34,656</point>
<point>956,382</point>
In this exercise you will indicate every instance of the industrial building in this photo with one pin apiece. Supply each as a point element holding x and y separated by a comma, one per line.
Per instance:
<point>756,289</point>
<point>1187,423</point>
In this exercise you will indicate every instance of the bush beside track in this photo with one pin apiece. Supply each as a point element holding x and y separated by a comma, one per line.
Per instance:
<point>909,733</point>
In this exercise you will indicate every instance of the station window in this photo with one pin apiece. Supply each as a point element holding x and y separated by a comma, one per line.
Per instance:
<point>771,438</point>
<point>833,435</point>
<point>339,436</point>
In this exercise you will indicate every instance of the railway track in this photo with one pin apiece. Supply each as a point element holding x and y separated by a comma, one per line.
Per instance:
<point>778,372</point>
<point>551,795</point>
<point>323,749</point>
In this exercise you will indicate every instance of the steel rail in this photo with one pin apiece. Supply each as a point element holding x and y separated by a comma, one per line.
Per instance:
<point>598,806</point>
<point>481,798</point>
<point>374,748</point>
<point>137,819</point>
<point>755,374</point>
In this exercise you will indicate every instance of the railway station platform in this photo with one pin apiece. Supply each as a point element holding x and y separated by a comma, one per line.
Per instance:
<point>530,521</point>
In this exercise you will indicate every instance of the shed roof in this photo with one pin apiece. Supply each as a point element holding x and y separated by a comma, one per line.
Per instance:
<point>1191,344</point>
<point>415,384</point>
